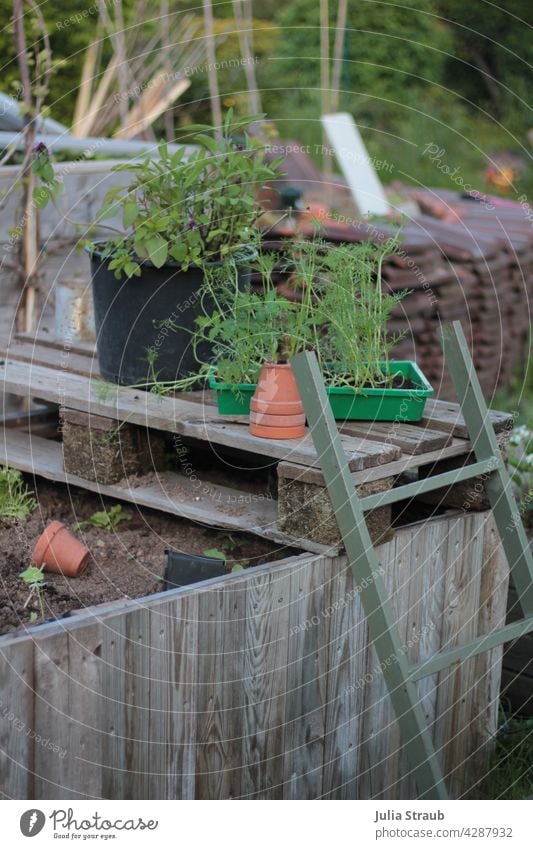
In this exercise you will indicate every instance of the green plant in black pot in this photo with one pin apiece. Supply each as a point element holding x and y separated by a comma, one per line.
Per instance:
<point>183,213</point>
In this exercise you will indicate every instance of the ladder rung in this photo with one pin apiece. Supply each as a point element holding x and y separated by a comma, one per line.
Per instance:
<point>381,499</point>
<point>443,659</point>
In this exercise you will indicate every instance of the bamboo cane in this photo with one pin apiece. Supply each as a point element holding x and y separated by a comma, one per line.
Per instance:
<point>212,76</point>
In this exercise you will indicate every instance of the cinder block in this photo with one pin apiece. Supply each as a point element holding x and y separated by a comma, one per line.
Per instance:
<point>305,510</point>
<point>104,450</point>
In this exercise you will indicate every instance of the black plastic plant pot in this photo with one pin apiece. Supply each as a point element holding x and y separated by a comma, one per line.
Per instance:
<point>183,569</point>
<point>132,317</point>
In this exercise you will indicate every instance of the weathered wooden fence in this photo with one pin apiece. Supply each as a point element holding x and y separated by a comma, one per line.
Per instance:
<point>259,685</point>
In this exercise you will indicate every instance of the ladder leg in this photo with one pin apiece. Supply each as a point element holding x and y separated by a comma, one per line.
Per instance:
<point>498,484</point>
<point>415,735</point>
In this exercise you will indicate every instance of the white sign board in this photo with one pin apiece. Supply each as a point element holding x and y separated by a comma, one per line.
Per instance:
<point>356,165</point>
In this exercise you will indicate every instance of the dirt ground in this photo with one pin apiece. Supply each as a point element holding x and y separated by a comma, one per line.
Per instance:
<point>128,562</point>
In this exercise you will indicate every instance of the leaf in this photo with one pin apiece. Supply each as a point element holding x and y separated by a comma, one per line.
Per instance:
<point>214,552</point>
<point>129,213</point>
<point>157,249</point>
<point>237,568</point>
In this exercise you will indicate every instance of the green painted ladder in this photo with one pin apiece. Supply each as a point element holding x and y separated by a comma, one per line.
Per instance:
<point>401,676</point>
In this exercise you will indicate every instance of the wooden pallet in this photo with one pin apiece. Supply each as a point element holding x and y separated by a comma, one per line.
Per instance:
<point>66,375</point>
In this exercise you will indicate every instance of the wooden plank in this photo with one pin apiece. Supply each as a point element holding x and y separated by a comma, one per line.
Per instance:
<point>265,684</point>
<point>347,650</point>
<point>305,725</point>
<point>305,474</point>
<point>221,640</point>
<point>410,438</point>
<point>173,698</point>
<point>171,414</point>
<point>361,454</point>
<point>215,506</point>
<point>446,416</point>
<point>16,720</point>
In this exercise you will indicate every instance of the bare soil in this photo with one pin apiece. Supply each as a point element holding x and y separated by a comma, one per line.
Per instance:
<point>128,562</point>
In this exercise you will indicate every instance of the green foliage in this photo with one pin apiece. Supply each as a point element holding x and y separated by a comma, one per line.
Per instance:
<point>16,499</point>
<point>356,311</point>
<point>390,51</point>
<point>215,553</point>
<point>510,775</point>
<point>339,311</point>
<point>189,210</point>
<point>492,57</point>
<point>107,520</point>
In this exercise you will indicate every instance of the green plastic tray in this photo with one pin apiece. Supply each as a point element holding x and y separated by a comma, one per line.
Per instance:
<point>381,405</point>
<point>233,400</point>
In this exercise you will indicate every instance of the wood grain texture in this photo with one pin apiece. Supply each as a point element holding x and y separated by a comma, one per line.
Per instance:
<point>260,684</point>
<point>52,712</point>
<point>172,414</point>
<point>305,723</point>
<point>459,625</point>
<point>173,698</point>
<point>267,613</point>
<point>217,506</point>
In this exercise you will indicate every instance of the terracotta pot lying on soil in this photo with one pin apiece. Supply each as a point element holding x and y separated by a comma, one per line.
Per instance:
<point>57,550</point>
<point>276,409</point>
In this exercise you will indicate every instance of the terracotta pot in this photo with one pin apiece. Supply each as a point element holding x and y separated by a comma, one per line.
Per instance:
<point>276,409</point>
<point>58,550</point>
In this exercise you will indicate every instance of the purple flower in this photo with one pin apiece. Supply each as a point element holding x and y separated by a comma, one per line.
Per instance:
<point>40,147</point>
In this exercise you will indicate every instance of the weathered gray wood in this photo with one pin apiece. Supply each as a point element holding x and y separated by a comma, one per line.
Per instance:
<point>114,746</point>
<point>265,684</point>
<point>16,720</point>
<point>492,613</point>
<point>212,504</point>
<point>447,416</point>
<point>221,639</point>
<point>348,643</point>
<point>86,710</point>
<point>307,474</point>
<point>453,734</point>
<point>305,725</point>
<point>41,339</point>
<point>170,414</point>
<point>173,699</point>
<point>259,684</point>
<point>410,438</point>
